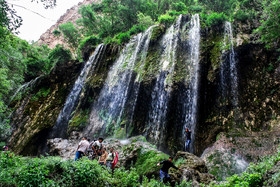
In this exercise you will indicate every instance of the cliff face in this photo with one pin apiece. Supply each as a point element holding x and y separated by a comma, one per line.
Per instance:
<point>71,15</point>
<point>149,86</point>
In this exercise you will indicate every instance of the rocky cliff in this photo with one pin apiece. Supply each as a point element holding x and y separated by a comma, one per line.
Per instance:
<point>71,15</point>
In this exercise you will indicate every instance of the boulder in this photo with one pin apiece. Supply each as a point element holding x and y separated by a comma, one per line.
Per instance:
<point>194,169</point>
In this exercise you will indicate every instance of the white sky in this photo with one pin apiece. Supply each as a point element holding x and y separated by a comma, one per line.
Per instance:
<point>34,25</point>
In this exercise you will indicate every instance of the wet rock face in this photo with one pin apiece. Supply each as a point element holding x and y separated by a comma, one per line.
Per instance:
<point>37,112</point>
<point>224,159</point>
<point>232,152</point>
<point>260,86</point>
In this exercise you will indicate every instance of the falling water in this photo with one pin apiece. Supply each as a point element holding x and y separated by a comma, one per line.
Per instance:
<point>23,87</point>
<point>229,78</point>
<point>193,79</point>
<point>162,88</point>
<point>60,128</point>
<point>107,112</point>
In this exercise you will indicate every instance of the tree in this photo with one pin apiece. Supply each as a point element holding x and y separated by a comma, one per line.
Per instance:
<point>71,34</point>
<point>145,21</point>
<point>270,28</point>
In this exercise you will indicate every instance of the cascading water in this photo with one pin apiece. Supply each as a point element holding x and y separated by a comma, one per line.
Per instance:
<point>60,127</point>
<point>107,111</point>
<point>162,88</point>
<point>23,87</point>
<point>192,80</point>
<point>229,78</point>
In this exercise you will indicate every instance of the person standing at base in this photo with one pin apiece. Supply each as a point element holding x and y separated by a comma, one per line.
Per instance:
<point>82,148</point>
<point>188,139</point>
<point>166,164</point>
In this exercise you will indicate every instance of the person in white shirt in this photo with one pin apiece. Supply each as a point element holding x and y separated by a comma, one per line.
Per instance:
<point>97,146</point>
<point>82,148</point>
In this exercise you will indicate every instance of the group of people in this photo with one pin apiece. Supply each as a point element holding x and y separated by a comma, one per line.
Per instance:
<point>5,148</point>
<point>96,150</point>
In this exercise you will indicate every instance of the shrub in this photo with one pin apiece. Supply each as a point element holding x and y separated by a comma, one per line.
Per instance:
<point>241,16</point>
<point>125,178</point>
<point>59,55</point>
<point>174,13</point>
<point>123,37</point>
<point>166,19</point>
<point>136,29</point>
<point>89,42</point>
<point>56,33</point>
<point>215,19</point>
<point>146,162</point>
<point>196,9</point>
<point>179,7</point>
<point>144,20</point>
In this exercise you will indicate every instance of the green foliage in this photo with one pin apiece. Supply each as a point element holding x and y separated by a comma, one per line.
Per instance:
<point>123,37</point>
<point>53,171</point>
<point>59,55</point>
<point>256,173</point>
<point>71,34</point>
<point>240,15</point>
<point>136,29</point>
<point>270,27</point>
<point>179,7</point>
<point>146,162</point>
<point>9,21</point>
<point>166,19</point>
<point>219,5</point>
<point>125,178</point>
<point>144,20</point>
<point>215,19</point>
<point>79,120</point>
<point>196,8</point>
<point>56,33</point>
<point>89,42</point>
<point>43,92</point>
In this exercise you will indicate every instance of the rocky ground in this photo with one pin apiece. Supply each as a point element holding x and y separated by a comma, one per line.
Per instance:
<point>137,152</point>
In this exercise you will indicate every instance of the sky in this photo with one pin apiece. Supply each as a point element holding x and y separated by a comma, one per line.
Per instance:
<point>34,25</point>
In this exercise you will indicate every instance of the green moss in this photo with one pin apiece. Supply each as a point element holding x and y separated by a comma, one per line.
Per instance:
<point>151,66</point>
<point>79,120</point>
<point>43,92</point>
<point>215,57</point>
<point>157,32</point>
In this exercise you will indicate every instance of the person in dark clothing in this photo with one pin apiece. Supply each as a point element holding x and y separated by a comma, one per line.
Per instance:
<point>166,164</point>
<point>188,139</point>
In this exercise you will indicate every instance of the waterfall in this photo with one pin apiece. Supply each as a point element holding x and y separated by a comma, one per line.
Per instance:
<point>229,78</point>
<point>107,112</point>
<point>61,125</point>
<point>192,79</point>
<point>162,88</point>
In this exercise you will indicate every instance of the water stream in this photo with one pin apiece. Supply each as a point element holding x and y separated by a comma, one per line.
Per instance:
<point>60,128</point>
<point>162,88</point>
<point>229,77</point>
<point>107,113</point>
<point>191,105</point>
